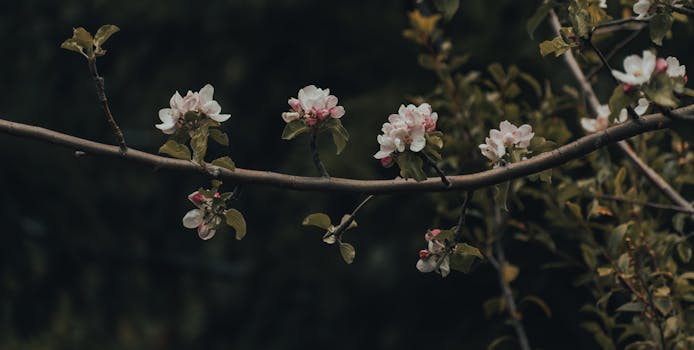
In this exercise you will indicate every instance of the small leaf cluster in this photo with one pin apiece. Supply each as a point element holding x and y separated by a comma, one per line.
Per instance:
<point>87,45</point>
<point>334,233</point>
<point>334,126</point>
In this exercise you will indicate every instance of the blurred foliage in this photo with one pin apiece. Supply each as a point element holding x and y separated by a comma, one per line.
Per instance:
<point>93,253</point>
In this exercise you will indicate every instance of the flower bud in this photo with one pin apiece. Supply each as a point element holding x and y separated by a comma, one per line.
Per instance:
<point>387,162</point>
<point>423,254</point>
<point>311,121</point>
<point>628,87</point>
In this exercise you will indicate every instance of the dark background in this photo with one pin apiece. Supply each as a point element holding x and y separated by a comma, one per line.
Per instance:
<point>92,250</point>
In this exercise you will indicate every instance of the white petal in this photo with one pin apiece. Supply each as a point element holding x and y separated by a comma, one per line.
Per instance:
<point>427,265</point>
<point>445,268</point>
<point>589,124</point>
<point>193,218</point>
<point>206,94</point>
<point>642,107</point>
<point>220,117</point>
<point>211,107</point>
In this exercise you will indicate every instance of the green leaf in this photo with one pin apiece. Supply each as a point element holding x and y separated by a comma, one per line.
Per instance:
<point>175,150</point>
<point>351,225</point>
<point>219,136</point>
<point>684,251</point>
<point>198,142</point>
<point>631,307</point>
<point>347,252</point>
<point>317,219</point>
<point>538,17</point>
<point>497,72</point>
<point>615,239</point>
<point>619,180</point>
<point>498,341</point>
<point>236,221</point>
<point>447,7</point>
<point>339,133</point>
<point>659,25</point>
<point>71,44</point>
<point>557,46</point>
<point>293,129</point>
<point>104,32</point>
<point>225,162</point>
<point>83,39</point>
<point>660,91</point>
<point>464,257</point>
<point>466,249</point>
<point>410,166</point>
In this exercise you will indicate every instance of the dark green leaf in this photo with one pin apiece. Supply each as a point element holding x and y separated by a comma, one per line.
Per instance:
<point>175,149</point>
<point>557,46</point>
<point>631,307</point>
<point>293,129</point>
<point>347,252</point>
<point>219,136</point>
<point>538,17</point>
<point>447,7</point>
<point>317,219</point>
<point>224,162</point>
<point>411,166</point>
<point>684,251</point>
<point>339,133</point>
<point>658,26</point>
<point>235,219</point>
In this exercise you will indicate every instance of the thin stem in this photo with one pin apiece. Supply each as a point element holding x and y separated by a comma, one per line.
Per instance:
<point>645,203</point>
<point>499,264</point>
<point>618,23</point>
<point>432,163</point>
<point>614,51</point>
<point>683,10</point>
<point>316,156</point>
<point>352,216</point>
<point>461,219</point>
<point>101,94</point>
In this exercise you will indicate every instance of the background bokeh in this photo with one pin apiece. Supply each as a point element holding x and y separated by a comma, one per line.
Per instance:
<point>92,251</point>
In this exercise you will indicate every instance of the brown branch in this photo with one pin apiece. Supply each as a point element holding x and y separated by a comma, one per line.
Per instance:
<point>541,162</point>
<point>101,94</point>
<point>645,203</point>
<point>594,103</point>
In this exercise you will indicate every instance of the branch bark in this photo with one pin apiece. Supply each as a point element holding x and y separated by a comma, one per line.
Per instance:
<point>547,160</point>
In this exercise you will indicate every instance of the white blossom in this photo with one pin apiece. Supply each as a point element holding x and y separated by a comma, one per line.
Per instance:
<point>674,69</point>
<point>508,135</point>
<point>406,130</point>
<point>603,4</point>
<point>313,103</point>
<point>434,258</point>
<point>601,122</point>
<point>203,219</point>
<point>637,69</point>
<point>642,8</point>
<point>200,102</point>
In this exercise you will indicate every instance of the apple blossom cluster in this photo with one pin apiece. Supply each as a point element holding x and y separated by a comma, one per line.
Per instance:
<point>206,218</point>
<point>188,109</point>
<point>601,122</point>
<point>639,70</point>
<point>498,146</point>
<point>435,257</point>
<point>313,105</point>
<point>405,131</point>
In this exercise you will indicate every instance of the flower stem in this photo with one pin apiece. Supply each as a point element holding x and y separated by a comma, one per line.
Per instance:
<point>101,94</point>
<point>316,156</point>
<point>352,216</point>
<point>461,220</point>
<point>432,163</point>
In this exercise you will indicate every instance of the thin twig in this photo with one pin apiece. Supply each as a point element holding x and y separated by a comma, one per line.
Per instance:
<point>594,103</point>
<point>101,94</point>
<point>352,216</point>
<point>432,163</point>
<point>683,10</point>
<point>461,219</point>
<point>645,203</point>
<point>619,46</point>
<point>316,156</point>
<point>499,264</point>
<point>573,150</point>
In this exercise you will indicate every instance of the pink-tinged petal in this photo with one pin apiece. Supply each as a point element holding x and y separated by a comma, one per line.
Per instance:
<point>506,127</point>
<point>176,101</point>
<point>387,161</point>
<point>418,143</point>
<point>382,154</point>
<point>166,115</point>
<point>337,112</point>
<point>295,104</point>
<point>193,218</point>
<point>197,199</point>
<point>604,111</point>
<point>423,254</point>
<point>206,94</point>
<point>660,65</point>
<point>330,102</point>
<point>495,135</point>
<point>311,121</point>
<point>289,116</point>
<point>206,232</point>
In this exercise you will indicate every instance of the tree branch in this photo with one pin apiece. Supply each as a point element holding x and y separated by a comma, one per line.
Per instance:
<point>541,162</point>
<point>645,203</point>
<point>594,103</point>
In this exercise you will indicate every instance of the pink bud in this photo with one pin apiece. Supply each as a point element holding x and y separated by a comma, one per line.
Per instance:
<point>217,195</point>
<point>628,87</point>
<point>431,234</point>
<point>387,162</point>
<point>660,65</point>
<point>435,232</point>
<point>685,79</point>
<point>197,198</point>
<point>322,114</point>
<point>311,121</point>
<point>423,254</point>
<point>429,124</point>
